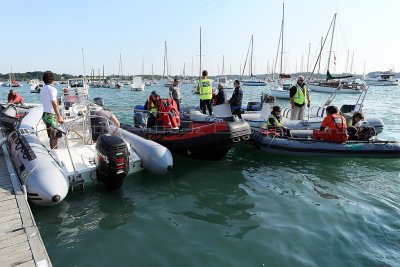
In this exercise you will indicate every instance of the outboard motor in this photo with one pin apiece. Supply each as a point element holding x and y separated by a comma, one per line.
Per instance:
<point>140,119</point>
<point>112,160</point>
<point>253,106</point>
<point>347,108</point>
<point>98,101</point>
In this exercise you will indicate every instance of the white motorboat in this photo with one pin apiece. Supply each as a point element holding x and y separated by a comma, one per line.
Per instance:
<point>282,89</point>
<point>382,79</point>
<point>48,174</point>
<point>137,84</point>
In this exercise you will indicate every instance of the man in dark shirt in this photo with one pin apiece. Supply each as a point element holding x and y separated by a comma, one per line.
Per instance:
<point>298,96</point>
<point>236,99</point>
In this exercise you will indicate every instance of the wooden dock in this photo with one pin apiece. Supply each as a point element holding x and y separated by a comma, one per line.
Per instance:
<point>20,240</point>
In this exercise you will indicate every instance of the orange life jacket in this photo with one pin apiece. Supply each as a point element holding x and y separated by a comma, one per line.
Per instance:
<point>168,115</point>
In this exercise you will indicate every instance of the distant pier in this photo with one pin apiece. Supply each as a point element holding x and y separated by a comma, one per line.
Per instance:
<point>20,240</point>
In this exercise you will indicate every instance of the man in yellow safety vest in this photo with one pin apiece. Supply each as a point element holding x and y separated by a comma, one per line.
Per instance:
<point>298,95</point>
<point>205,90</point>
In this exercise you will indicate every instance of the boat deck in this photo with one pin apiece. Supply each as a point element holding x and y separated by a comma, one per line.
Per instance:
<point>20,240</point>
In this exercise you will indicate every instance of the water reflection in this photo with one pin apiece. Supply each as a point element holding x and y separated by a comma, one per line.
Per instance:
<point>213,193</point>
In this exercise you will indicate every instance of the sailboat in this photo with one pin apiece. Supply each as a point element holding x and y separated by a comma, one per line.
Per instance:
<point>12,82</point>
<point>226,83</point>
<point>137,82</point>
<point>332,83</point>
<point>167,80</point>
<point>252,81</point>
<point>282,86</point>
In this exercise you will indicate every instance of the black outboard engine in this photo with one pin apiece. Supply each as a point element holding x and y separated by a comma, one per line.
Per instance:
<point>347,108</point>
<point>112,160</point>
<point>140,119</point>
<point>98,101</point>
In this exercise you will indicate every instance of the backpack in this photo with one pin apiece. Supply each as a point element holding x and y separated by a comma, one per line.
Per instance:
<point>366,133</point>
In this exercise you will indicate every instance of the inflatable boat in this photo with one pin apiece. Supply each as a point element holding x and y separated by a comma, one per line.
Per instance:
<point>10,113</point>
<point>207,139</point>
<point>48,174</point>
<point>301,143</point>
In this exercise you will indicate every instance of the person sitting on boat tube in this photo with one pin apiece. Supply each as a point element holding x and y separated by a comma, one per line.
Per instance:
<point>274,121</point>
<point>333,127</point>
<point>51,114</point>
<point>219,98</point>
<point>298,95</point>
<point>152,104</point>
<point>14,98</point>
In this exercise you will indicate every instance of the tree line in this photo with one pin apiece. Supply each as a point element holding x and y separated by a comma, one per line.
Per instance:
<point>33,75</point>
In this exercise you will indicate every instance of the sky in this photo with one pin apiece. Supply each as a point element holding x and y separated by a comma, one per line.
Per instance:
<point>57,35</point>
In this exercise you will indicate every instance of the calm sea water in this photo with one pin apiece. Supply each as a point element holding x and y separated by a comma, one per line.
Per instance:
<point>250,209</point>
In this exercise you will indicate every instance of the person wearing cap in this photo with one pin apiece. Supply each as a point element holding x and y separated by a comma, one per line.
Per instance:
<point>51,114</point>
<point>219,98</point>
<point>15,98</point>
<point>298,95</point>
<point>205,90</point>
<point>152,105</point>
<point>175,93</point>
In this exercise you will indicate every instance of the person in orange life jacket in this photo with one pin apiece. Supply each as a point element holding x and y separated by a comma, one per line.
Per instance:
<point>236,99</point>
<point>274,121</point>
<point>333,127</point>
<point>152,105</point>
<point>205,90</point>
<point>15,98</point>
<point>333,119</point>
<point>298,96</point>
<point>219,98</point>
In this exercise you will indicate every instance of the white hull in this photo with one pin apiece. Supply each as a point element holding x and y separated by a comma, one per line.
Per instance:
<point>382,83</point>
<point>284,94</point>
<point>138,88</point>
<point>324,89</point>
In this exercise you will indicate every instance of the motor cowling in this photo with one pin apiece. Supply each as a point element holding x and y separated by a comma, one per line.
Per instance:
<point>112,160</point>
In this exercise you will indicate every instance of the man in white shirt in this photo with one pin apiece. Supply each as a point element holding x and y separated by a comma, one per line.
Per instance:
<point>51,113</point>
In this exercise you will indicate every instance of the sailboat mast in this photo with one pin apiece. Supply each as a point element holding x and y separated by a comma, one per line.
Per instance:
<point>251,57</point>
<point>165,55</point>
<point>223,65</point>
<point>330,48</point>
<point>120,63</point>
<point>200,53</point>
<point>308,57</point>
<point>142,65</point>
<point>282,28</point>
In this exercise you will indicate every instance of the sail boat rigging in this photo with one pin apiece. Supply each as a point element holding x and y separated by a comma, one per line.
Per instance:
<point>251,81</point>
<point>331,83</point>
<point>282,86</point>
<point>166,79</point>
